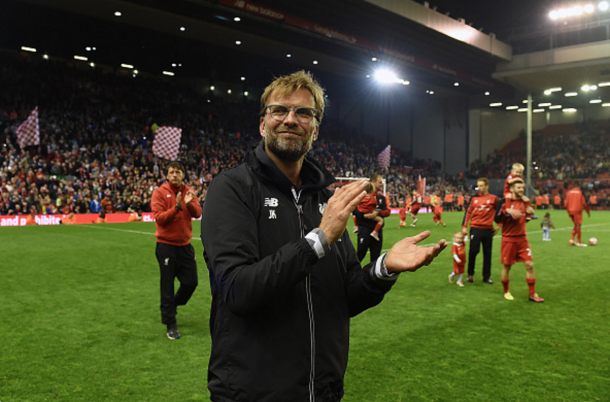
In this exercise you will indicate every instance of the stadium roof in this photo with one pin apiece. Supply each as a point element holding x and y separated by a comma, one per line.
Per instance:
<point>340,37</point>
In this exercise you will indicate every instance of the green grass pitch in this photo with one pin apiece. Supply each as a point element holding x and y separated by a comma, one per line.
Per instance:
<point>80,321</point>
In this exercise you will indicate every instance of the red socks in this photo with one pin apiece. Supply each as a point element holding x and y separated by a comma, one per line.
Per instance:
<point>378,227</point>
<point>531,283</point>
<point>505,284</point>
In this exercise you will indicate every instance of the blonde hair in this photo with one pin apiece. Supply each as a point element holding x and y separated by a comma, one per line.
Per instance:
<point>518,166</point>
<point>287,84</point>
<point>370,188</point>
<point>458,234</point>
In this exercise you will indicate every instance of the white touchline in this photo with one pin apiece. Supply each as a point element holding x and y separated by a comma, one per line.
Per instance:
<point>121,230</point>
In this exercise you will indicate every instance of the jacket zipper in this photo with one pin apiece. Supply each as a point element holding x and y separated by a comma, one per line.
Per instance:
<point>312,327</point>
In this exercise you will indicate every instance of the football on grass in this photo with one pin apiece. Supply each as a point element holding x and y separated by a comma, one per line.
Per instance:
<point>593,241</point>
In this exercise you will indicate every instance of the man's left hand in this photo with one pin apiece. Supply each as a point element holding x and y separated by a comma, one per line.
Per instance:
<point>190,196</point>
<point>405,255</point>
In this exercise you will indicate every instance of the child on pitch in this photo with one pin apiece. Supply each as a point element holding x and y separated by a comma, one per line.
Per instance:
<point>458,251</point>
<point>368,205</point>
<point>436,207</point>
<point>402,213</point>
<point>546,226</point>
<point>516,171</point>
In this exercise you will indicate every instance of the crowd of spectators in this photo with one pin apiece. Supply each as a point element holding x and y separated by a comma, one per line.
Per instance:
<point>560,154</point>
<point>96,132</point>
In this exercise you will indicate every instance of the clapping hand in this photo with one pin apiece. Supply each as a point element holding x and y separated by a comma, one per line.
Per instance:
<point>339,209</point>
<point>406,255</point>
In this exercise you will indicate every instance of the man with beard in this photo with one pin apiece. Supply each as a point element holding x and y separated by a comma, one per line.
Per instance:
<point>284,275</point>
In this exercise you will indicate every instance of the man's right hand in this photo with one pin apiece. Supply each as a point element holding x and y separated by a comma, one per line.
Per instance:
<point>339,208</point>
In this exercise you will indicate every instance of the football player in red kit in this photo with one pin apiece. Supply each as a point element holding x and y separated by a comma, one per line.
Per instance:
<point>511,215</point>
<point>415,205</point>
<point>575,202</point>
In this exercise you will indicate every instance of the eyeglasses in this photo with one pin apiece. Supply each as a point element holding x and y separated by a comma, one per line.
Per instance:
<point>304,114</point>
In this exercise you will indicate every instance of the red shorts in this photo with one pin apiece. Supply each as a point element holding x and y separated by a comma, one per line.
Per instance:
<point>414,211</point>
<point>458,268</point>
<point>515,252</point>
<point>576,218</point>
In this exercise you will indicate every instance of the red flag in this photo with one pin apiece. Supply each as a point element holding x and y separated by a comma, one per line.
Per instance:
<point>384,157</point>
<point>421,186</point>
<point>167,142</point>
<point>28,132</point>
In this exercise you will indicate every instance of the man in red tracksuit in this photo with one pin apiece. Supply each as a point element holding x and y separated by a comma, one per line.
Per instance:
<point>480,212</point>
<point>174,204</point>
<point>575,202</point>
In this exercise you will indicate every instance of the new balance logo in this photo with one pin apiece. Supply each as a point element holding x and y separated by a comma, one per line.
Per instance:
<point>271,202</point>
<point>167,261</point>
<point>272,214</point>
<point>321,208</point>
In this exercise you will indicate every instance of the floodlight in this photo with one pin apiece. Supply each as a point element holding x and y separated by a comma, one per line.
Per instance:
<point>603,6</point>
<point>28,49</point>
<point>570,94</point>
<point>126,65</point>
<point>544,104</point>
<point>605,104</point>
<point>487,93</point>
<point>595,101</point>
<point>555,107</point>
<point>603,84</point>
<point>83,58</point>
<point>495,104</point>
<point>551,90</point>
<point>168,73</point>
<point>386,76</point>
<point>585,87</point>
<point>589,8</point>
<point>538,110</point>
<point>569,110</point>
<point>512,107</point>
<point>523,109</point>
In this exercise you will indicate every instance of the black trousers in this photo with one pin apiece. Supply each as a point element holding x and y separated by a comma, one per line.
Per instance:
<point>366,242</point>
<point>176,262</point>
<point>478,237</point>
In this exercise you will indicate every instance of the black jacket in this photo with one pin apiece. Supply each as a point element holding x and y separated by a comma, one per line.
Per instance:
<point>280,316</point>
